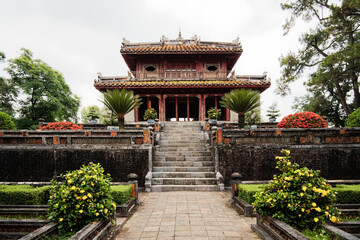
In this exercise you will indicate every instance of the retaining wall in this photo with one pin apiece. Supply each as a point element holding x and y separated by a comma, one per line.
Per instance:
<point>333,151</point>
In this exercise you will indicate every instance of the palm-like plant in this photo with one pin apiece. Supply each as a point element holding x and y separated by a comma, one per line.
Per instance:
<point>121,103</point>
<point>241,101</point>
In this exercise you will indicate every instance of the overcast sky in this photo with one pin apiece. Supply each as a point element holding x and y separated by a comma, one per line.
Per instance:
<point>81,38</point>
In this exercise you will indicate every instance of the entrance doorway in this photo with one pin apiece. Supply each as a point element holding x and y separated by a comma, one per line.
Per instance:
<point>148,102</point>
<point>182,109</point>
<point>214,102</point>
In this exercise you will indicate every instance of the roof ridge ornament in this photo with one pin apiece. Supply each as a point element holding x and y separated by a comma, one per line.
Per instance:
<point>164,39</point>
<point>236,41</point>
<point>125,42</point>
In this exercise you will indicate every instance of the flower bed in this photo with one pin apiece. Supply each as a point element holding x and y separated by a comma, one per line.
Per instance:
<point>61,126</point>
<point>302,120</point>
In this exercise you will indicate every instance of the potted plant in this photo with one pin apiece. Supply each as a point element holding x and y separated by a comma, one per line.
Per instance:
<point>214,114</point>
<point>150,115</point>
<point>273,112</point>
<point>93,114</point>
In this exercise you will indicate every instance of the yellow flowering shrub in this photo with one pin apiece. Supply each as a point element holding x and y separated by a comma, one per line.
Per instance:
<point>83,197</point>
<point>297,196</point>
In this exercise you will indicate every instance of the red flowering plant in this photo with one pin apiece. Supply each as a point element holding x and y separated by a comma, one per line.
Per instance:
<point>302,120</point>
<point>61,126</point>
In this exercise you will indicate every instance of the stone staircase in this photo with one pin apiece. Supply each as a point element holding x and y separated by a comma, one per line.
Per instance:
<point>182,161</point>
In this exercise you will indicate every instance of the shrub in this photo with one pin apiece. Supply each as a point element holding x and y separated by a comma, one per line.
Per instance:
<point>5,122</point>
<point>150,114</point>
<point>214,113</point>
<point>353,120</point>
<point>121,193</point>
<point>297,196</point>
<point>347,194</point>
<point>61,126</point>
<point>23,195</point>
<point>302,120</point>
<point>83,197</point>
<point>247,191</point>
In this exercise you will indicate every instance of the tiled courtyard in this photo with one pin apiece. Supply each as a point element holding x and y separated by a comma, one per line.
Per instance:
<point>186,215</point>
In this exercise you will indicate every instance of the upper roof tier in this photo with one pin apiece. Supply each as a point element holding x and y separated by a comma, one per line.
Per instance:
<point>182,46</point>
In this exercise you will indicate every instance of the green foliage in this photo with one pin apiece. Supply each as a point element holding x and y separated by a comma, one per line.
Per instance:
<point>6,122</point>
<point>90,113</point>
<point>240,102</point>
<point>121,193</point>
<point>247,191</point>
<point>83,197</point>
<point>214,113</point>
<point>297,196</point>
<point>7,96</point>
<point>331,51</point>
<point>121,103</point>
<point>150,114</point>
<point>273,111</point>
<point>23,195</point>
<point>318,234</point>
<point>43,89</point>
<point>353,120</point>
<point>347,194</point>
<point>108,117</point>
<point>253,117</point>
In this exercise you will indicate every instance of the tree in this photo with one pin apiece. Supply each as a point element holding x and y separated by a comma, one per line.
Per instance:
<point>331,51</point>
<point>273,112</point>
<point>353,119</point>
<point>121,103</point>
<point>90,113</point>
<point>45,93</point>
<point>7,93</point>
<point>6,122</point>
<point>253,117</point>
<point>240,102</point>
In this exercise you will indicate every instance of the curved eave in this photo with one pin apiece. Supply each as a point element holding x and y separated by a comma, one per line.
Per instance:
<point>261,88</point>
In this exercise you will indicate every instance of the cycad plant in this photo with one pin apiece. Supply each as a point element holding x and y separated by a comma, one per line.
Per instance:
<point>241,101</point>
<point>121,103</point>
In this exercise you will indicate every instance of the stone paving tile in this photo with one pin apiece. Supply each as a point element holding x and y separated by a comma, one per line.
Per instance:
<point>186,215</point>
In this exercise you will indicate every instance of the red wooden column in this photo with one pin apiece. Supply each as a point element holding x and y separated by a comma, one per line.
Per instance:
<point>164,107</point>
<point>136,112</point>
<point>188,108</point>
<point>160,109</point>
<point>215,101</point>
<point>177,109</point>
<point>148,103</point>
<point>200,109</point>
<point>227,114</point>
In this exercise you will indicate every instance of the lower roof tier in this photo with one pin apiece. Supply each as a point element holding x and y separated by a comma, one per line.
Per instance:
<point>257,82</point>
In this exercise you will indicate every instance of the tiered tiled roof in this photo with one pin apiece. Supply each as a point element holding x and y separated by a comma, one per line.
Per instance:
<point>236,82</point>
<point>181,46</point>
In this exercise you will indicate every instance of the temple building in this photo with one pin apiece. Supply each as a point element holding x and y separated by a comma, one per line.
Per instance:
<point>181,78</point>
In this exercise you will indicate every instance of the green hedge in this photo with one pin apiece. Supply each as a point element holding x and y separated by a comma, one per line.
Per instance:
<point>349,194</point>
<point>247,191</point>
<point>121,193</point>
<point>346,194</point>
<point>29,195</point>
<point>23,195</point>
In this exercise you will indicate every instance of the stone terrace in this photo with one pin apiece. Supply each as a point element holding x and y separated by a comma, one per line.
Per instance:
<point>187,215</point>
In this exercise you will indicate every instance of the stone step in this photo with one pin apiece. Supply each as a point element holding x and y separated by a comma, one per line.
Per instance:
<point>183,169</point>
<point>184,164</point>
<point>183,181</point>
<point>176,148</point>
<point>183,153</point>
<point>183,174</point>
<point>171,157</point>
<point>182,145</point>
<point>167,188</point>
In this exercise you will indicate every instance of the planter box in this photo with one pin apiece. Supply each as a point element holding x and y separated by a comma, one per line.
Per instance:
<point>17,228</point>
<point>244,207</point>
<point>349,209</point>
<point>270,228</point>
<point>344,230</point>
<point>125,209</point>
<point>96,231</point>
<point>25,210</point>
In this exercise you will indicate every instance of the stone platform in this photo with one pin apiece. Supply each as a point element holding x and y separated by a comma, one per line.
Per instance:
<point>187,215</point>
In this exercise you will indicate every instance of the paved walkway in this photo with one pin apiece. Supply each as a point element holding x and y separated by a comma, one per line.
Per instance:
<point>186,215</point>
